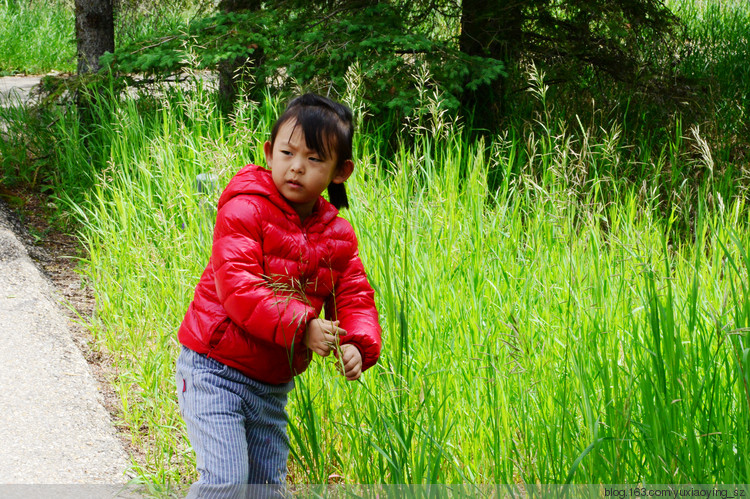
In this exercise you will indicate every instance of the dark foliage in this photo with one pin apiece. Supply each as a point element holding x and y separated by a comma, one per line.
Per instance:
<point>314,46</point>
<point>476,54</point>
<point>586,45</point>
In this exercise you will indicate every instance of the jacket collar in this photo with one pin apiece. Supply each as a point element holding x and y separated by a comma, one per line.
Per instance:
<point>256,180</point>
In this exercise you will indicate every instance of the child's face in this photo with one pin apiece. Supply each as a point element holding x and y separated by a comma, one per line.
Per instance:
<point>300,173</point>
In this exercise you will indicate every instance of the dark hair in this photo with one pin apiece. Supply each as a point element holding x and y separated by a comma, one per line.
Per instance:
<point>328,129</point>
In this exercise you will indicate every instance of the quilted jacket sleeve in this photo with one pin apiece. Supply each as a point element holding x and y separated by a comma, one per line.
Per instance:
<point>237,260</point>
<point>354,302</point>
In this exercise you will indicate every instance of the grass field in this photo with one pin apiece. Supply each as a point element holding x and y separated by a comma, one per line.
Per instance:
<point>39,37</point>
<point>532,332</point>
<point>36,37</point>
<point>559,305</point>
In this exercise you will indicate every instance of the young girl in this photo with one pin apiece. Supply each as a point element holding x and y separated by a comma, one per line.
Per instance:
<point>280,255</point>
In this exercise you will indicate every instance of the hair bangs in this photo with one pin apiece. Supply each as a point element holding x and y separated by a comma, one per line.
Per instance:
<point>320,131</point>
<point>326,125</point>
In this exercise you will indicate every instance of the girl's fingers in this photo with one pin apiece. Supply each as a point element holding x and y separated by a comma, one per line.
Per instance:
<point>333,328</point>
<point>351,353</point>
<point>350,363</point>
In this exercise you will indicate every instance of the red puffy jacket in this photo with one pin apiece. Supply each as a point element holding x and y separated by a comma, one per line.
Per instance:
<point>269,275</point>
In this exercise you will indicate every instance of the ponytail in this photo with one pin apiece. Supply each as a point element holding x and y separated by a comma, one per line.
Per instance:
<point>337,195</point>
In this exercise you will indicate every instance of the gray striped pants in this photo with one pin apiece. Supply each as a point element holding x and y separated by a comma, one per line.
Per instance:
<point>236,425</point>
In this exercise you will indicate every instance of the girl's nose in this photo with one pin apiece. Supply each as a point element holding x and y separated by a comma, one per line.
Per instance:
<point>297,166</point>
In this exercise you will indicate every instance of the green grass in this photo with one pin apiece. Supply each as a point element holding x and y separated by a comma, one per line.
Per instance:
<point>559,303</point>
<point>716,52</point>
<point>36,37</point>
<point>547,328</point>
<point>39,37</point>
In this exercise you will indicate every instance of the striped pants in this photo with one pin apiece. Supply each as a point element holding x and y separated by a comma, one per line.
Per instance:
<point>236,425</point>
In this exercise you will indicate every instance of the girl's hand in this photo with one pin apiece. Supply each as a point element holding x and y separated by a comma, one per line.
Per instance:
<point>320,336</point>
<point>352,362</point>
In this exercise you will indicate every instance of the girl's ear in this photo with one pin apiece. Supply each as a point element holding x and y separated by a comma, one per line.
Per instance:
<point>268,151</point>
<point>343,172</point>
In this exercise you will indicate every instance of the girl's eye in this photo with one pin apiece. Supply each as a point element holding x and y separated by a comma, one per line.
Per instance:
<point>286,153</point>
<point>315,160</point>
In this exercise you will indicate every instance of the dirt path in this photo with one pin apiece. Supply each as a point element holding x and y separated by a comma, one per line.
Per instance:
<point>53,425</point>
<point>14,88</point>
<point>54,428</point>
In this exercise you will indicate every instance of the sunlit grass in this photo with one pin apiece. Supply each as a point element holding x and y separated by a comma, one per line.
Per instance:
<point>558,305</point>
<point>532,332</point>
<point>39,37</point>
<point>36,37</point>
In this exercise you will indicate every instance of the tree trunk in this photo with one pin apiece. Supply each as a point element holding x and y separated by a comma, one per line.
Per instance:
<point>238,5</point>
<point>237,71</point>
<point>493,29</point>
<point>95,32</point>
